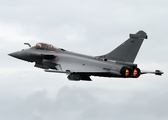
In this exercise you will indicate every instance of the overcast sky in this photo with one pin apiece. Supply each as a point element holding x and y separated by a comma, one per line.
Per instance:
<point>92,27</point>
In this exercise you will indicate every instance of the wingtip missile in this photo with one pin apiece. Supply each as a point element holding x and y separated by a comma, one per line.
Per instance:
<point>158,72</point>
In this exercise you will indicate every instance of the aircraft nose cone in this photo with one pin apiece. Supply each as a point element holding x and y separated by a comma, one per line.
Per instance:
<point>16,55</point>
<point>10,54</point>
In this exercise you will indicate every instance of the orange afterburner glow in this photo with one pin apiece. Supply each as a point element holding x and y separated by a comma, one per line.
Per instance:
<point>127,72</point>
<point>135,72</point>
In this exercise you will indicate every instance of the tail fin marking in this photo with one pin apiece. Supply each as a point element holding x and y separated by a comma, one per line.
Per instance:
<point>128,50</point>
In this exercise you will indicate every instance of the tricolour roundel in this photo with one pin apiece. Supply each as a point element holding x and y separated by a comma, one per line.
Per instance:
<point>56,58</point>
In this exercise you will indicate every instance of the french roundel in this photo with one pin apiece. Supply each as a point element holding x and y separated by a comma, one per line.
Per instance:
<point>56,58</point>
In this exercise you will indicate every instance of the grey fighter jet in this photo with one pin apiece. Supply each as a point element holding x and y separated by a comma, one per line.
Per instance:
<point>118,63</point>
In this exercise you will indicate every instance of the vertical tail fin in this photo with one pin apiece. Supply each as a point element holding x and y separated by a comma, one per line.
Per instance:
<point>128,50</point>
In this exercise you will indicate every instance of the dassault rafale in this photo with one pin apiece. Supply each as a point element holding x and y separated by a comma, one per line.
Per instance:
<point>118,63</point>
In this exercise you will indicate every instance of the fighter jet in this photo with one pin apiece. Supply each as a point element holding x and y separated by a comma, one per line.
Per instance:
<point>118,63</point>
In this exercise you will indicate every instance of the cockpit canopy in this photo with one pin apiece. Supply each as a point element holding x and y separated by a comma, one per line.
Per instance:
<point>45,46</point>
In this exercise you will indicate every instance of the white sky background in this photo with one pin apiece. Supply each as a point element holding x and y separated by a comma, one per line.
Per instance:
<point>92,28</point>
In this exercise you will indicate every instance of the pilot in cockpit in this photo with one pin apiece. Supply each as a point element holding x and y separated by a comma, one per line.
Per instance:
<point>38,45</point>
<point>45,46</point>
